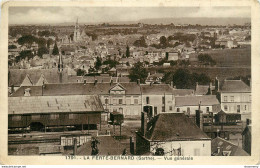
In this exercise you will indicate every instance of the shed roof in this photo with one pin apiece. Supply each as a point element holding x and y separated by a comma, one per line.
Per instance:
<point>227,148</point>
<point>54,104</point>
<point>76,89</point>
<point>173,127</point>
<point>235,86</point>
<point>206,100</point>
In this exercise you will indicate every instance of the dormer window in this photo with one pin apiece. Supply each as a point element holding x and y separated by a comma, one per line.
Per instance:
<point>27,92</point>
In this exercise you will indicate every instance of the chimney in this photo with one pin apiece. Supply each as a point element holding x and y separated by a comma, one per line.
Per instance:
<point>248,121</point>
<point>199,119</point>
<point>143,123</point>
<point>250,82</point>
<point>138,81</point>
<point>171,84</point>
<point>74,146</point>
<point>216,84</point>
<point>27,92</point>
<point>220,150</point>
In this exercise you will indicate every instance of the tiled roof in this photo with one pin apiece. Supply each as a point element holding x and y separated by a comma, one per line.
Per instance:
<point>173,126</point>
<point>201,89</point>
<point>234,86</point>
<point>206,100</point>
<point>76,89</point>
<point>52,104</point>
<point>156,89</point>
<point>183,92</point>
<point>227,148</point>
<point>17,76</point>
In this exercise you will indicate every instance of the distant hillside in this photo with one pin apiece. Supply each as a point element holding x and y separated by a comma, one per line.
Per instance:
<point>201,21</point>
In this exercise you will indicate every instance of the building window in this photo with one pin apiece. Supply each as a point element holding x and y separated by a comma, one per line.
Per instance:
<point>54,116</point>
<point>232,98</point>
<point>120,101</point>
<point>121,110</point>
<point>163,100</point>
<point>106,101</point>
<point>178,109</point>
<point>128,101</point>
<point>135,101</point>
<point>114,101</point>
<point>197,152</point>
<point>238,108</point>
<point>147,100</point>
<point>250,98</point>
<point>245,107</point>
<point>72,116</point>
<point>170,108</point>
<point>225,108</point>
<point>163,108</point>
<point>36,117</point>
<point>225,98</point>
<point>188,110</point>
<point>155,110</point>
<point>16,118</point>
<point>207,109</point>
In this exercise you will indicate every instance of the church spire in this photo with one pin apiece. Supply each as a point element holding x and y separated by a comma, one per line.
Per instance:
<point>60,64</point>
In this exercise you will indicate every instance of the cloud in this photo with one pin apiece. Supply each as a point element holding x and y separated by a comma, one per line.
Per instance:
<point>43,15</point>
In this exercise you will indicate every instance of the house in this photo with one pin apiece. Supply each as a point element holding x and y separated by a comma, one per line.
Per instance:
<point>173,56</point>
<point>189,104</point>
<point>204,89</point>
<point>173,134</point>
<point>222,147</point>
<point>247,137</point>
<point>40,112</point>
<point>122,72</point>
<point>235,97</point>
<point>158,97</point>
<point>154,78</point>
<point>30,77</point>
<point>119,97</point>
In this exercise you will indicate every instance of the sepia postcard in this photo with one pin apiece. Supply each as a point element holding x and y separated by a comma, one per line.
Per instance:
<point>130,82</point>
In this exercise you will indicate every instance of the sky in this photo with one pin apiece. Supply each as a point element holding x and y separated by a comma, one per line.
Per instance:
<point>55,15</point>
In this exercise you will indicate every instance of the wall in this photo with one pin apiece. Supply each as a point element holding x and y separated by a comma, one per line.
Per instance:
<point>188,148</point>
<point>156,101</point>
<point>242,99</point>
<point>128,106</point>
<point>63,119</point>
<point>194,108</point>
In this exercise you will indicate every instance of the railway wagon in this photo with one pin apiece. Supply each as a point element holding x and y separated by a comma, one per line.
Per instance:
<point>39,112</point>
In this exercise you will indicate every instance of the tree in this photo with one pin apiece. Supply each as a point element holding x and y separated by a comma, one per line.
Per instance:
<point>127,53</point>
<point>55,49</point>
<point>12,46</point>
<point>24,54</point>
<point>41,42</point>
<point>159,152</point>
<point>42,50</point>
<point>181,79</point>
<point>98,63</point>
<point>138,72</point>
<point>163,40</point>
<point>49,42</point>
<point>27,40</point>
<point>80,72</point>
<point>206,59</point>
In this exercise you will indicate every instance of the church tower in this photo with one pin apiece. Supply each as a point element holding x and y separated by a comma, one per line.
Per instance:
<point>60,64</point>
<point>60,68</point>
<point>76,36</point>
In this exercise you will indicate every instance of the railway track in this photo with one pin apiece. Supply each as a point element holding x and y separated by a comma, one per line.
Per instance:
<point>33,141</point>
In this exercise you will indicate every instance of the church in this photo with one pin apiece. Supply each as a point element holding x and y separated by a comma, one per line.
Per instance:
<point>77,36</point>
